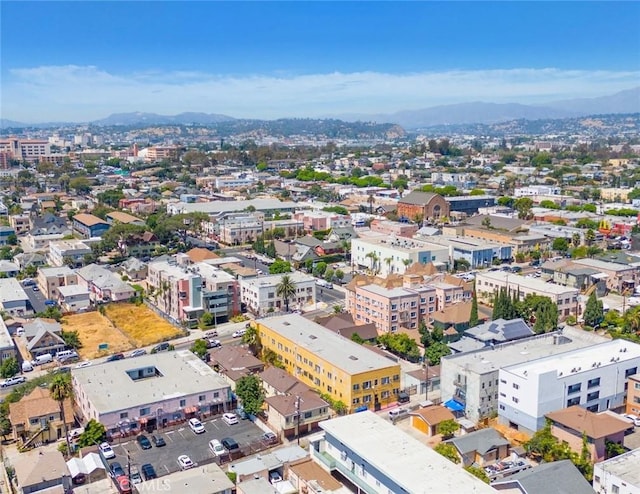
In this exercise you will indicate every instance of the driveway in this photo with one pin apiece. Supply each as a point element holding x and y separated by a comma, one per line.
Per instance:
<point>183,441</point>
<point>36,299</point>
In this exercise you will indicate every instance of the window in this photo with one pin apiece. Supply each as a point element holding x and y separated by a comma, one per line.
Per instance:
<point>308,415</point>
<point>630,372</point>
<point>593,408</point>
<point>593,396</point>
<point>385,380</point>
<point>145,411</point>
<point>516,386</point>
<point>356,387</point>
<point>514,399</point>
<point>615,489</point>
<point>202,398</point>
<point>574,388</point>
<point>592,383</point>
<point>573,401</point>
<point>356,401</point>
<point>216,394</point>
<point>366,399</point>
<point>124,415</point>
<point>366,385</point>
<point>183,403</point>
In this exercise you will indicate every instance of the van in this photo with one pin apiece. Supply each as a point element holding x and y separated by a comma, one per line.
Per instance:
<point>398,413</point>
<point>26,366</point>
<point>42,359</point>
<point>65,353</point>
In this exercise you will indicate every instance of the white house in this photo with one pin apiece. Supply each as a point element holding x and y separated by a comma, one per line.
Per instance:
<point>594,378</point>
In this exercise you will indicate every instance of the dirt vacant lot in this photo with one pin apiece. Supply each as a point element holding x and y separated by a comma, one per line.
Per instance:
<point>141,324</point>
<point>94,329</point>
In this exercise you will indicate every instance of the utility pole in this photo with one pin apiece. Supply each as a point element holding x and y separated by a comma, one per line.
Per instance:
<point>298,419</point>
<point>426,378</point>
<point>128,465</point>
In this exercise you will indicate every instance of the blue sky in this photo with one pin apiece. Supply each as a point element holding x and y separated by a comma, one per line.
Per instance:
<point>85,60</point>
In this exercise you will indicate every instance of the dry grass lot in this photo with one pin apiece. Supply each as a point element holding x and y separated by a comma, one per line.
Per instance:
<point>141,324</point>
<point>94,329</point>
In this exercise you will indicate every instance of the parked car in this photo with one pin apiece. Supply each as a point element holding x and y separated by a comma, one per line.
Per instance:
<point>138,353</point>
<point>107,451</point>
<point>214,343</point>
<point>217,448</point>
<point>123,484</point>
<point>634,418</point>
<point>116,469</point>
<point>275,477</point>
<point>211,334</point>
<point>185,462</point>
<point>269,438</point>
<point>148,472</point>
<point>230,444</point>
<point>196,426</point>
<point>230,418</point>
<point>85,363</point>
<point>162,347</point>
<point>12,381</point>
<point>136,478</point>
<point>36,289</point>
<point>158,441</point>
<point>114,357</point>
<point>242,414</point>
<point>239,333</point>
<point>143,441</point>
<point>403,397</point>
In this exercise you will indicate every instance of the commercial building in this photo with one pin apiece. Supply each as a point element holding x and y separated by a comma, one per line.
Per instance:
<point>385,255</point>
<point>376,457</point>
<point>31,150</point>
<point>313,221</point>
<point>260,294</point>
<point>477,253</point>
<point>149,391</point>
<point>89,226</point>
<point>388,228</point>
<point>594,378</point>
<point>330,363</point>
<point>13,299</point>
<point>537,190</point>
<point>620,277</point>
<point>469,381</point>
<point>618,475</point>
<point>490,282</point>
<point>216,208</point>
<point>469,205</point>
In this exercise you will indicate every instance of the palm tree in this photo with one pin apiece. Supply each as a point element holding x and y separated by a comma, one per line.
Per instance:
<point>575,239</point>
<point>371,200</point>
<point>374,259</point>
<point>388,260</point>
<point>590,236</point>
<point>407,263</point>
<point>61,390</point>
<point>286,289</point>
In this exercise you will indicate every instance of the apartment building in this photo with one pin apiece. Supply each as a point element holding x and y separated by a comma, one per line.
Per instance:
<point>125,218</point>
<point>232,182</point>
<point>21,223</point>
<point>50,279</point>
<point>31,150</point>
<point>89,226</point>
<point>378,458</point>
<point>103,285</point>
<point>476,252</point>
<point>159,153</point>
<point>537,190</point>
<point>388,228</point>
<point>330,363</point>
<point>261,294</point>
<point>7,347</point>
<point>620,277</point>
<point>566,298</point>
<point>618,475</point>
<point>594,378</point>
<point>633,395</point>
<point>13,299</point>
<point>68,252</point>
<point>240,231</point>
<point>386,255</point>
<point>471,379</point>
<point>313,221</point>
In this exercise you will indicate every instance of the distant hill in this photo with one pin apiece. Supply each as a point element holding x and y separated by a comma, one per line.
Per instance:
<point>623,102</point>
<point>141,118</point>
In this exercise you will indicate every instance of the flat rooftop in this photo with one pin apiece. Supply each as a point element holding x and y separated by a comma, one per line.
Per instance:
<point>201,479</point>
<point>228,206</point>
<point>389,292</point>
<point>401,244</point>
<point>109,388</point>
<point>11,291</point>
<point>339,351</point>
<point>488,360</point>
<point>603,265</point>
<point>5,338</point>
<point>626,467</point>
<point>535,284</point>
<point>414,466</point>
<point>274,279</point>
<point>464,243</point>
<point>580,360</point>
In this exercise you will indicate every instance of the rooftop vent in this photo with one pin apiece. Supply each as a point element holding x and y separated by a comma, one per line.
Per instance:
<point>352,357</point>
<point>313,337</point>
<point>286,323</point>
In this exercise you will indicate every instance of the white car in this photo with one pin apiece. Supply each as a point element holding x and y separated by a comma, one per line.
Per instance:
<point>107,452</point>
<point>239,334</point>
<point>185,462</point>
<point>196,426</point>
<point>217,448</point>
<point>634,418</point>
<point>230,418</point>
<point>81,365</point>
<point>12,381</point>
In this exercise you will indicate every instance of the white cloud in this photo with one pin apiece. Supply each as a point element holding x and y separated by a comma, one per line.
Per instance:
<point>84,93</point>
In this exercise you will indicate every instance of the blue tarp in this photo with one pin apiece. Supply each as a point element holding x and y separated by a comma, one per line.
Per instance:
<point>454,406</point>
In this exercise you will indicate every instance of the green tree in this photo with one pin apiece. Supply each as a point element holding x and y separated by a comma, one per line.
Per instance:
<point>286,289</point>
<point>280,266</point>
<point>251,338</point>
<point>357,338</point>
<point>449,451</point>
<point>506,201</point>
<point>473,316</point>
<point>523,205</point>
<point>206,320</point>
<point>560,244</point>
<point>61,390</point>
<point>613,449</point>
<point>199,348</point>
<point>249,391</point>
<point>436,351</point>
<point>594,311</point>
<point>448,428</point>
<point>9,367</point>
<point>329,274</point>
<point>81,185</point>
<point>71,339</point>
<point>478,472</point>
<point>320,268</point>
<point>94,433</point>
<point>400,344</point>
<point>339,274</point>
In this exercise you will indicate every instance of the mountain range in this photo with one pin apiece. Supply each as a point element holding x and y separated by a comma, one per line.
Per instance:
<point>627,101</point>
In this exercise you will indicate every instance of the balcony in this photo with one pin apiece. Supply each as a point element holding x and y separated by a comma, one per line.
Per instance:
<point>332,464</point>
<point>325,458</point>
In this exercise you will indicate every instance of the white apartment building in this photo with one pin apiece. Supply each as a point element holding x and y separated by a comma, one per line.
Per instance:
<point>618,475</point>
<point>490,282</point>
<point>388,255</point>
<point>537,190</point>
<point>471,379</point>
<point>260,294</point>
<point>71,250</point>
<point>240,231</point>
<point>231,182</point>
<point>594,378</point>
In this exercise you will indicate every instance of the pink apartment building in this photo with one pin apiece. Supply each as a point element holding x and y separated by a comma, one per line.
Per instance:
<point>394,228</point>
<point>321,220</point>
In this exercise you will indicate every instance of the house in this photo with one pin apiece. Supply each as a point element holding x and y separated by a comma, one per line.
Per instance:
<point>259,467</point>
<point>206,479</point>
<point>559,477</point>
<point>234,362</point>
<point>21,223</point>
<point>344,325</point>
<point>388,227</point>
<point>50,279</point>
<point>104,285</point>
<point>307,476</point>
<point>134,269</point>
<point>41,471</point>
<point>141,245</point>
<point>138,396</point>
<point>417,379</point>
<point>6,234</point>
<point>276,381</point>
<point>7,347</point>
<point>293,415</point>
<point>13,299</point>
<point>633,395</point>
<point>68,253</point>
<point>48,224</point>
<point>428,419</point>
<point>377,457</point>
<point>36,417</point>
<point>620,277</point>
<point>8,269</point>
<point>455,316</point>
<point>569,424</point>
<point>74,298</point>
<point>25,259</point>
<point>89,226</point>
<point>618,474</point>
<point>499,331</point>
<point>423,206</point>
<point>482,447</point>
<point>43,336</point>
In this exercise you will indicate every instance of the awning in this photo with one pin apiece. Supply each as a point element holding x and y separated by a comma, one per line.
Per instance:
<point>143,420</point>
<point>190,410</point>
<point>454,406</point>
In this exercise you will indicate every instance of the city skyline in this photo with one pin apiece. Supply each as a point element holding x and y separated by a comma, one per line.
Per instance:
<point>272,60</point>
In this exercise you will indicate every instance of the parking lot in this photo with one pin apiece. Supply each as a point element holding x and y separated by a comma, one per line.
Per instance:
<point>183,441</point>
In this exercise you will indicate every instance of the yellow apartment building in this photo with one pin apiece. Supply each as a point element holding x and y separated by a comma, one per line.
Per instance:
<point>330,363</point>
